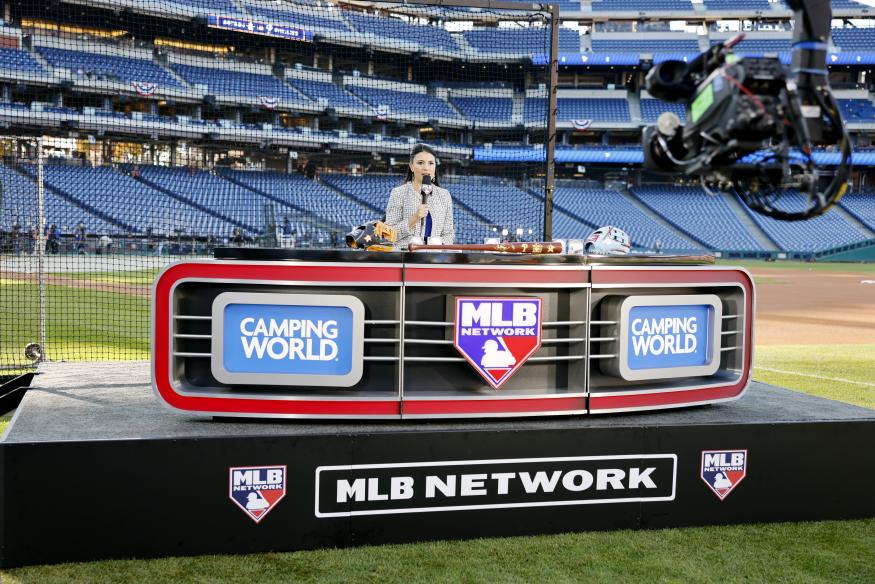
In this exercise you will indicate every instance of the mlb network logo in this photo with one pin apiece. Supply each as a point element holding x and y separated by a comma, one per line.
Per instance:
<point>722,470</point>
<point>257,489</point>
<point>497,335</point>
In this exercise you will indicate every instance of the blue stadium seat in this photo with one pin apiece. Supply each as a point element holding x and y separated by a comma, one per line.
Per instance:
<point>304,17</point>
<point>485,108</point>
<point>125,69</point>
<point>709,218</point>
<point>857,110</point>
<point>599,109</point>
<point>761,46</point>
<point>823,232</point>
<point>130,202</point>
<point>393,28</point>
<point>862,206</point>
<point>651,109</point>
<point>20,207</point>
<point>336,96</point>
<point>737,5</point>
<point>404,102</point>
<point>18,60</point>
<point>298,192</point>
<point>606,207</point>
<point>633,45</point>
<point>223,82</point>
<point>641,5</point>
<point>527,41</point>
<point>862,39</point>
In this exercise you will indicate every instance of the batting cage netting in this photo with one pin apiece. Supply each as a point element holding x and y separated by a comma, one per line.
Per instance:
<point>139,132</point>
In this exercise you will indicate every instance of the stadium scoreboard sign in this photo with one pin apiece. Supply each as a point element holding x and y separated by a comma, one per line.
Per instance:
<point>667,336</point>
<point>287,339</point>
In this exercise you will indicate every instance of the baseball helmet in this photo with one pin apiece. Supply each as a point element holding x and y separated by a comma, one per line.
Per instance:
<point>372,236</point>
<point>608,240</point>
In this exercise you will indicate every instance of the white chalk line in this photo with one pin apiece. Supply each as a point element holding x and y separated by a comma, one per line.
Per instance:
<point>839,379</point>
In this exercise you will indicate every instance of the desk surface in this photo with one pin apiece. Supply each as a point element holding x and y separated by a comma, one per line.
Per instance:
<point>351,255</point>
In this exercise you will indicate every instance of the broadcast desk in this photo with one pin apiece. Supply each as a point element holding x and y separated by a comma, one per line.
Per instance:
<point>408,334</point>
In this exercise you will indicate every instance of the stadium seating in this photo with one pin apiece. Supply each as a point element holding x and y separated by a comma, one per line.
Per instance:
<point>18,60</point>
<point>651,109</point>
<point>598,109</point>
<point>857,110</point>
<point>607,207</point>
<point>525,41</point>
<point>828,230</point>
<point>304,17</point>
<point>223,82</point>
<point>317,90</point>
<point>499,202</point>
<point>20,207</point>
<point>854,38</point>
<point>640,5</point>
<point>862,206</point>
<point>130,202</point>
<point>299,193</point>
<point>218,196</point>
<point>392,28</point>
<point>112,67</point>
<point>709,218</point>
<point>485,108</point>
<point>405,102</point>
<point>761,46</point>
<point>638,45</point>
<point>207,6</point>
<point>741,5</point>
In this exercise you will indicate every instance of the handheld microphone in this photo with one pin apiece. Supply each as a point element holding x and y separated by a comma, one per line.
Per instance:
<point>425,191</point>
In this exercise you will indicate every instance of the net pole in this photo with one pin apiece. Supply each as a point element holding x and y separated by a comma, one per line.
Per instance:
<point>41,247</point>
<point>551,121</point>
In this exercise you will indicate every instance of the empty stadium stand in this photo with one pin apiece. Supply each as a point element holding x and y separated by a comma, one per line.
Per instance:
<point>638,45</point>
<point>404,102</point>
<point>525,41</point>
<point>708,218</point>
<point>484,108</point>
<point>580,108</point>
<point>19,61</point>
<point>607,207</point>
<point>112,67</point>
<point>857,110</point>
<point>641,5</point>
<point>331,93</point>
<point>823,232</point>
<point>651,109</point>
<point>225,82</point>
<point>861,205</point>
<point>393,28</point>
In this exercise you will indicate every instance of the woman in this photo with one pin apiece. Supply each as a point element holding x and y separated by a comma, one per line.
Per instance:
<point>417,222</point>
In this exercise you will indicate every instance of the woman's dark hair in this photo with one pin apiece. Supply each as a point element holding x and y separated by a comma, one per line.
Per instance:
<point>416,150</point>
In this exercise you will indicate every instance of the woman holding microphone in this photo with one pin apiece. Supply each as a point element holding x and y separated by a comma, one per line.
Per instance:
<point>420,209</point>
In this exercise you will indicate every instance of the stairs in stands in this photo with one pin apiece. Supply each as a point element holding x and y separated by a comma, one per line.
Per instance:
<point>744,216</point>
<point>693,241</point>
<point>850,218</point>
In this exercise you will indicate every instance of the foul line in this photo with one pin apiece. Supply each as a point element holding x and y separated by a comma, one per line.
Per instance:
<point>816,376</point>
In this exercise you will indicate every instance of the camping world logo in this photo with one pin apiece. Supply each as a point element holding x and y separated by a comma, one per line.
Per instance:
<point>257,489</point>
<point>497,335</point>
<point>722,470</point>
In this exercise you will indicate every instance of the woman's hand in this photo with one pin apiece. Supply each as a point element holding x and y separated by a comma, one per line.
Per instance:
<point>421,212</point>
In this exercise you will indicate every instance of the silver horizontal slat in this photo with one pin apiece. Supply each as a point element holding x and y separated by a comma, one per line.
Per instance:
<point>726,316</point>
<point>382,321</point>
<point>557,358</point>
<point>433,359</point>
<point>729,348</point>
<point>380,358</point>
<point>188,336</point>
<point>204,355</point>
<point>427,342</point>
<point>729,332</point>
<point>597,356</point>
<point>568,340</point>
<point>191,317</point>
<point>563,322</point>
<point>600,339</point>
<point>383,340</point>
<point>593,322</point>
<point>427,323</point>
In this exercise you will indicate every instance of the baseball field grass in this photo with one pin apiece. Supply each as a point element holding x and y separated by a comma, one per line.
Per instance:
<point>830,551</point>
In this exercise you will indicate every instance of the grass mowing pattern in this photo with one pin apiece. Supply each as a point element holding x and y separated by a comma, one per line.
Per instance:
<point>830,551</point>
<point>851,362</point>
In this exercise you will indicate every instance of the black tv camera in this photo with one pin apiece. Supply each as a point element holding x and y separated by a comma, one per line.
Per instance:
<point>752,124</point>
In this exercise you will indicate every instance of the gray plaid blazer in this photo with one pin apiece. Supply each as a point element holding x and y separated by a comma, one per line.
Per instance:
<point>402,205</point>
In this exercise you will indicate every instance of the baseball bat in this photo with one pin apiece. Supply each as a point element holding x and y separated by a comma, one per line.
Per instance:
<point>536,247</point>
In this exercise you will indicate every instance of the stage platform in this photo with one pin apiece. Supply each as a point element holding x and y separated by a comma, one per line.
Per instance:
<point>93,466</point>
